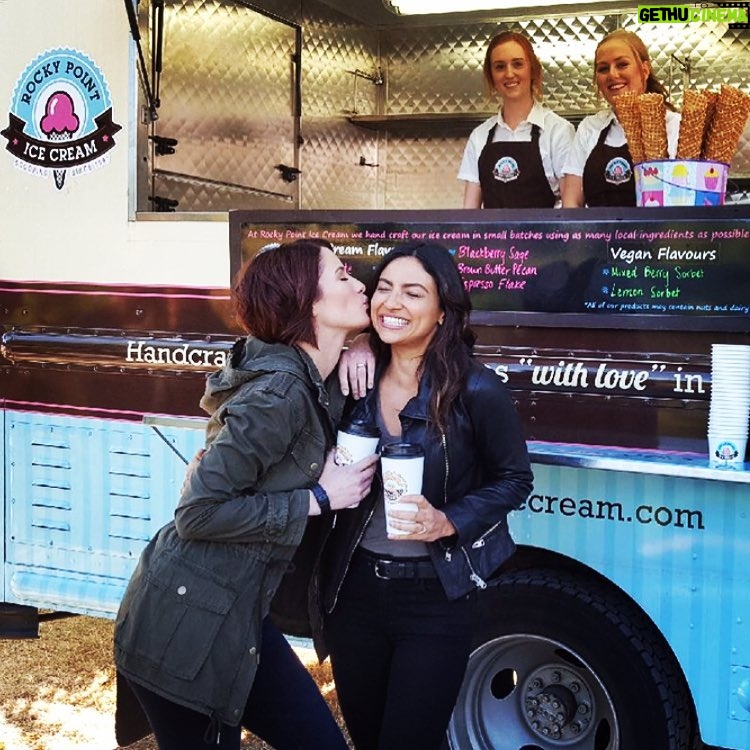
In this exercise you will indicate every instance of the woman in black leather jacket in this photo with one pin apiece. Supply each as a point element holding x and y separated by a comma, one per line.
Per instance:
<point>399,611</point>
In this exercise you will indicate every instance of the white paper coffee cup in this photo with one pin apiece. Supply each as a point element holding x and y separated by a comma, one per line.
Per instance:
<point>726,451</point>
<point>402,467</point>
<point>356,441</point>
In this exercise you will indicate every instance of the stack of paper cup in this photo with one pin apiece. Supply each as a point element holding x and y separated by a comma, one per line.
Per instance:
<point>730,404</point>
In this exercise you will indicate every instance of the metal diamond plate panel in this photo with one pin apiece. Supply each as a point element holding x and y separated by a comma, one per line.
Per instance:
<point>421,172</point>
<point>339,68</point>
<point>439,69</point>
<point>340,78</point>
<point>227,93</point>
<point>332,175</point>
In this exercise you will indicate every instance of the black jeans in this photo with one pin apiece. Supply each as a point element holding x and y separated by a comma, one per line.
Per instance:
<point>285,709</point>
<point>399,650</point>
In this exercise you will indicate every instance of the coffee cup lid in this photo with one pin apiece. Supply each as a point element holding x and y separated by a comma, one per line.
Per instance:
<point>362,429</point>
<point>402,450</point>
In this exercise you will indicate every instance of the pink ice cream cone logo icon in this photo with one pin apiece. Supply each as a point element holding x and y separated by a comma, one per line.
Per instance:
<point>59,123</point>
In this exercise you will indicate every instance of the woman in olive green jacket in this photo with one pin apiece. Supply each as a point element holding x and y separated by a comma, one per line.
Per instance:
<point>193,624</point>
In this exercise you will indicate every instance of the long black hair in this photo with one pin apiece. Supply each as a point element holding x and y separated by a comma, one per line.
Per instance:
<point>449,353</point>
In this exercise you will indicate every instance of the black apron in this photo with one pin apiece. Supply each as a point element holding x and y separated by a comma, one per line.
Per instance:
<point>511,174</point>
<point>608,175</point>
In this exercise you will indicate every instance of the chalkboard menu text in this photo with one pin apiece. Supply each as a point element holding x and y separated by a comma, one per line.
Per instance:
<point>663,268</point>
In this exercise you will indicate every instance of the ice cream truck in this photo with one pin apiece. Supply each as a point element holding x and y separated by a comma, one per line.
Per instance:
<point>149,148</point>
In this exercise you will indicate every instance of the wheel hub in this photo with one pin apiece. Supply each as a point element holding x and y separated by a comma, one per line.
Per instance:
<point>557,704</point>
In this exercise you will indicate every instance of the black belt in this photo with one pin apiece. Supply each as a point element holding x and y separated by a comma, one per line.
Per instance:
<point>396,568</point>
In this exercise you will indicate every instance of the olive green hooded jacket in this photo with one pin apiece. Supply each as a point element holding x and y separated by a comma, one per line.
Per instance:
<point>188,627</point>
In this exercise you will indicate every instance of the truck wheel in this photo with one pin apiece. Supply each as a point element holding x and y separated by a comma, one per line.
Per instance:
<point>560,663</point>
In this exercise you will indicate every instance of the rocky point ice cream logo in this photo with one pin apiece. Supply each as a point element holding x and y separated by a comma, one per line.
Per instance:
<point>394,485</point>
<point>60,120</point>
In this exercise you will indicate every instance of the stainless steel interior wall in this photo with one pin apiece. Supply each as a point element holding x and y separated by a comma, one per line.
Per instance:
<point>227,97</point>
<point>339,60</point>
<point>227,93</point>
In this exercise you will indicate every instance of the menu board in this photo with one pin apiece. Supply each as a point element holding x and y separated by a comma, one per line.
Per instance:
<point>660,268</point>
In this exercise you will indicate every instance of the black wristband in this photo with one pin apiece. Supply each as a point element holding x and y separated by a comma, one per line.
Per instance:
<point>321,496</point>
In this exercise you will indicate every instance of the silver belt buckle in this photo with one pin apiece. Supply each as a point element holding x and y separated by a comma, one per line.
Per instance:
<point>378,573</point>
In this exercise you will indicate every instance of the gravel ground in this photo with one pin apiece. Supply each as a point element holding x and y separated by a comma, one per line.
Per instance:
<point>57,692</point>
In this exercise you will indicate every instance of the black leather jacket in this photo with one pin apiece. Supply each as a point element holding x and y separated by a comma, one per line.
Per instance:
<point>476,472</point>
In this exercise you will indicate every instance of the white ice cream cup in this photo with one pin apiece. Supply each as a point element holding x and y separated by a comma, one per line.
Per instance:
<point>725,450</point>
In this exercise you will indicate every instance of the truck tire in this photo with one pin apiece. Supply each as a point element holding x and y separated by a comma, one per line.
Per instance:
<point>562,663</point>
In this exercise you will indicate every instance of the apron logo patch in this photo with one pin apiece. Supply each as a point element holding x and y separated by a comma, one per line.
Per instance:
<point>506,169</point>
<point>617,171</point>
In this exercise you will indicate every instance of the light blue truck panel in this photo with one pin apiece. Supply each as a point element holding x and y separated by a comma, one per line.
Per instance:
<point>84,496</point>
<point>674,534</point>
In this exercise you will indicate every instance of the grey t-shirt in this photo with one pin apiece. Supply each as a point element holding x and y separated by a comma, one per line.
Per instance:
<point>375,538</point>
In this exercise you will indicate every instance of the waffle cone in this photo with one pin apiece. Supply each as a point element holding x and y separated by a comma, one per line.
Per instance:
<point>626,109</point>
<point>727,124</point>
<point>712,97</point>
<point>693,124</point>
<point>653,111</point>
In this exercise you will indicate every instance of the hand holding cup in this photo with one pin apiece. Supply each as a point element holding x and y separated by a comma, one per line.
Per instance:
<point>347,486</point>
<point>420,522</point>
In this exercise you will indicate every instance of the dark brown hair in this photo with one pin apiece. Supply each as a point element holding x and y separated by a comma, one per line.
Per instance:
<point>449,353</point>
<point>533,60</point>
<point>275,291</point>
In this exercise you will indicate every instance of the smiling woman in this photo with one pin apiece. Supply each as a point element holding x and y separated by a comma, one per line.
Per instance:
<point>406,585</point>
<point>515,159</point>
<point>405,310</point>
<point>599,169</point>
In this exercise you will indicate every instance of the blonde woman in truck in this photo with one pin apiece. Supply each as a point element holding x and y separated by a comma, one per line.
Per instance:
<point>515,159</point>
<point>193,640</point>
<point>599,169</point>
